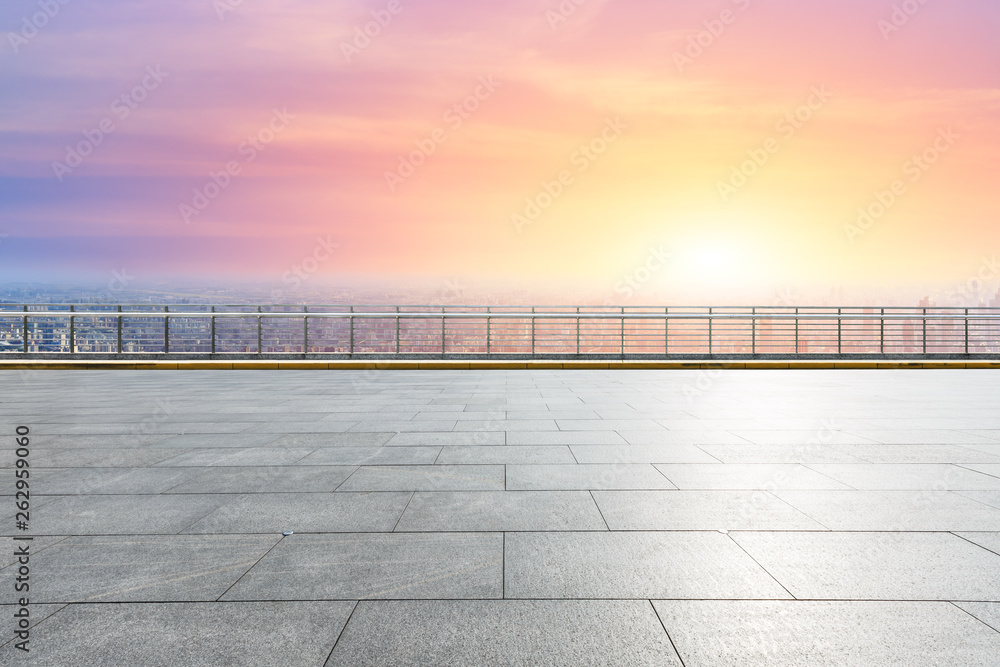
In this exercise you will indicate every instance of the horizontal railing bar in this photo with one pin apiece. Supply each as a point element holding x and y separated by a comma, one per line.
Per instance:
<point>658,309</point>
<point>833,317</point>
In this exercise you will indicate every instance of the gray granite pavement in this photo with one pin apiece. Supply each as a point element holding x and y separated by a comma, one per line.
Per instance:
<point>564,517</point>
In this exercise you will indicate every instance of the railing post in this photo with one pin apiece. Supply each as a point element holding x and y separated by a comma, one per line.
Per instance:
<point>532,331</point>
<point>443,333</point>
<point>881,332</point>
<point>578,331</point>
<point>623,332</point>
<point>966,330</point>
<point>710,331</point>
<point>25,341</point>
<point>796,330</point>
<point>305,329</point>
<point>260,331</point>
<point>840,332</point>
<point>166,330</point>
<point>397,329</point>
<point>753,330</point>
<point>487,329</point>
<point>72,338</point>
<point>350,319</point>
<point>119,330</point>
<point>666,331</point>
<point>924,321</point>
<point>212,329</point>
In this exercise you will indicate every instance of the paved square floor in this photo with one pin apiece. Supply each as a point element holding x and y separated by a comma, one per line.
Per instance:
<point>694,518</point>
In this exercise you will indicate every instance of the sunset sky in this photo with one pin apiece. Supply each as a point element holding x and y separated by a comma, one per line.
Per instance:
<point>723,143</point>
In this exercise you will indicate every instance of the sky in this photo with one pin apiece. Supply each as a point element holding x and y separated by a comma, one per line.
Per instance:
<point>626,148</point>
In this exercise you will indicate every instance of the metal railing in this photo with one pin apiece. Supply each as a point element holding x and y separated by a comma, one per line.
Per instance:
<point>512,332</point>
